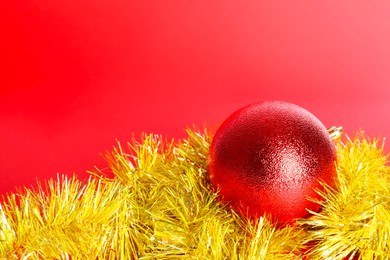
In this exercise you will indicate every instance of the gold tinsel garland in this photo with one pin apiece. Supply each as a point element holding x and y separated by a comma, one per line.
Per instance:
<point>160,206</point>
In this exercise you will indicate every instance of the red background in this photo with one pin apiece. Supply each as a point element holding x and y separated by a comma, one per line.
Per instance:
<point>77,75</point>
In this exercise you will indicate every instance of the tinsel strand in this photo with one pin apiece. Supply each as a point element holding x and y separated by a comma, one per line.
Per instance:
<point>160,205</point>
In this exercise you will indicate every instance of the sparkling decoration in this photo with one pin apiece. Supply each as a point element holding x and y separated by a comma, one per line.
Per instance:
<point>270,158</point>
<point>160,205</point>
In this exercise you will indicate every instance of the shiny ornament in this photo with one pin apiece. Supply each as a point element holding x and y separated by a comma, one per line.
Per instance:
<point>269,158</point>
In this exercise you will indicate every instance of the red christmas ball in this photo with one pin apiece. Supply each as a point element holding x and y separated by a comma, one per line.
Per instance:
<point>268,158</point>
